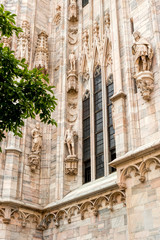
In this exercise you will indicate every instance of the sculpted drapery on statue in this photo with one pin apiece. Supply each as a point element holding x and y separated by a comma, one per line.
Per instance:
<point>36,139</point>
<point>34,157</point>
<point>143,52</point>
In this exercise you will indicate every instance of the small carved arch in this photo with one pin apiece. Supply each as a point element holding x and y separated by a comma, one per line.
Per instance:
<point>107,52</point>
<point>126,173</point>
<point>110,79</point>
<point>114,195</point>
<point>20,213</point>
<point>60,215</point>
<point>84,208</point>
<point>35,218</point>
<point>145,167</point>
<point>96,58</point>
<point>98,202</point>
<point>97,71</point>
<point>71,212</point>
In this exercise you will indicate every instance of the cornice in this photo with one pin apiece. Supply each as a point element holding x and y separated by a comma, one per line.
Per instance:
<point>139,152</point>
<point>118,95</point>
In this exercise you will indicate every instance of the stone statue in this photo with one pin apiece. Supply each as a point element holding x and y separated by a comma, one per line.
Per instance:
<point>72,60</point>
<point>69,140</point>
<point>36,139</point>
<point>73,10</point>
<point>143,52</point>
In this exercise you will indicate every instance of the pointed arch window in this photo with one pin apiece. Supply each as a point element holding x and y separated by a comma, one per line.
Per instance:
<point>99,147</point>
<point>86,138</point>
<point>98,123</point>
<point>111,131</point>
<point>84,2</point>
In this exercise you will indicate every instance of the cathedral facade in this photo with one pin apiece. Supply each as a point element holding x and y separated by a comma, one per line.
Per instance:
<point>97,174</point>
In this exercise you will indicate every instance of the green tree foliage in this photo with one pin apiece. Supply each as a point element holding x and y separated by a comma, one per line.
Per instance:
<point>24,93</point>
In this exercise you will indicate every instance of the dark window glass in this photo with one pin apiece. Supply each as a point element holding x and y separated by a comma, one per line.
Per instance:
<point>84,3</point>
<point>111,132</point>
<point>98,118</point>
<point>86,141</point>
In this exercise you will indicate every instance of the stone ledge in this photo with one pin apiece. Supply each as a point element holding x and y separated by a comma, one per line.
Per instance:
<point>139,152</point>
<point>86,190</point>
<point>13,149</point>
<point>18,203</point>
<point>117,96</point>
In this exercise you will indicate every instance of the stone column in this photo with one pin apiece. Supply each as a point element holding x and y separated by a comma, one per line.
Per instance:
<point>11,170</point>
<point>62,104</point>
<point>132,108</point>
<point>119,96</point>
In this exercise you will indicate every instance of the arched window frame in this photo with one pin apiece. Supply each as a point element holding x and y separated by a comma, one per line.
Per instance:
<point>106,141</point>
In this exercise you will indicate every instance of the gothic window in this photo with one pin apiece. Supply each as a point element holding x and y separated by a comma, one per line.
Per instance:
<point>84,2</point>
<point>86,139</point>
<point>98,129</point>
<point>98,120</point>
<point>111,132</point>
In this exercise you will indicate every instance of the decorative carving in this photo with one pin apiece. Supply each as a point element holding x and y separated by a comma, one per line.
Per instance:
<point>73,11</point>
<point>34,157</point>
<point>143,52</point>
<point>139,169</point>
<point>72,82</point>
<point>107,22</point>
<point>71,165</point>
<point>72,35</point>
<point>96,31</point>
<point>34,161</point>
<point>41,56</point>
<point>72,114</point>
<point>92,206</point>
<point>145,82</point>
<point>57,17</point>
<point>23,45</point>
<point>86,76</point>
<point>85,41</point>
<point>6,41</point>
<point>86,95</point>
<point>7,213</point>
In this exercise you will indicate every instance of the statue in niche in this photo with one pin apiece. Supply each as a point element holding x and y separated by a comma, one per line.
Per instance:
<point>72,60</point>
<point>69,140</point>
<point>73,10</point>
<point>143,52</point>
<point>36,139</point>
